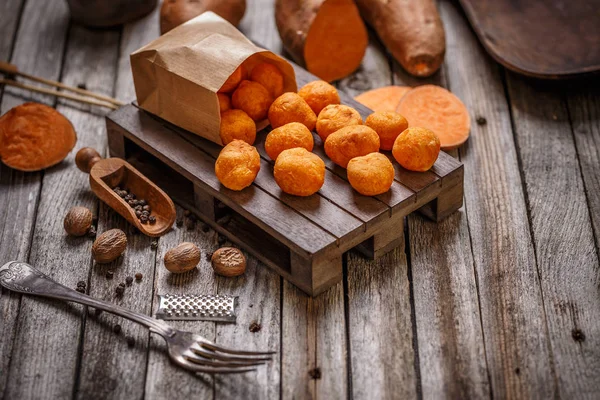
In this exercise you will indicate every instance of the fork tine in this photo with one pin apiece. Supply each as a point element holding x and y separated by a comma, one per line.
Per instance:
<point>207,352</point>
<point>217,363</point>
<point>215,347</point>
<point>213,370</point>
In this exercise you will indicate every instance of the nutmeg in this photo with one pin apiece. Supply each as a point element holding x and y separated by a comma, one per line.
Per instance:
<point>228,261</point>
<point>86,158</point>
<point>78,221</point>
<point>182,258</point>
<point>109,246</point>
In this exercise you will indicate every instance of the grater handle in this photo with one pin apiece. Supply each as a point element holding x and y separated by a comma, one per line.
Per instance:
<point>22,277</point>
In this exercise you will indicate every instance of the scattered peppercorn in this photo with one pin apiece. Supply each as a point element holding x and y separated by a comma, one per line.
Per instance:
<point>179,223</point>
<point>130,341</point>
<point>208,256</point>
<point>481,121</point>
<point>92,232</point>
<point>82,86</point>
<point>81,283</point>
<point>120,290</point>
<point>152,219</point>
<point>153,244</point>
<point>186,213</point>
<point>129,280</point>
<point>97,312</point>
<point>254,327</point>
<point>109,274</point>
<point>221,240</point>
<point>138,276</point>
<point>117,329</point>
<point>122,284</point>
<point>80,289</point>
<point>205,228</point>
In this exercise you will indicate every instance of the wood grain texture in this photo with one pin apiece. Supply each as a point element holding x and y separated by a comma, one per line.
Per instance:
<point>259,292</point>
<point>583,103</point>
<point>379,312</point>
<point>516,337</point>
<point>42,30</point>
<point>164,379</point>
<point>562,233</point>
<point>18,193</point>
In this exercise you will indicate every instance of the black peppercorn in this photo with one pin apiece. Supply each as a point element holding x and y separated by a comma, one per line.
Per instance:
<point>120,290</point>
<point>205,228</point>
<point>186,213</point>
<point>128,280</point>
<point>179,223</point>
<point>116,188</point>
<point>81,283</point>
<point>153,244</point>
<point>109,274</point>
<point>152,219</point>
<point>146,213</point>
<point>254,327</point>
<point>138,276</point>
<point>481,121</point>
<point>97,312</point>
<point>80,289</point>
<point>130,341</point>
<point>144,219</point>
<point>146,207</point>
<point>117,329</point>
<point>221,240</point>
<point>143,203</point>
<point>92,232</point>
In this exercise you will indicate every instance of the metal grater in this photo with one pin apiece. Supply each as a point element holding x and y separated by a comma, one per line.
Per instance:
<point>197,307</point>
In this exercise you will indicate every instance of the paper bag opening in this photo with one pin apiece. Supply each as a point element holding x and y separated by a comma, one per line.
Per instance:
<point>178,75</point>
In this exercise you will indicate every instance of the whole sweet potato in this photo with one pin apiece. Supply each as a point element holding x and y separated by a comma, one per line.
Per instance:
<point>175,12</point>
<point>411,30</point>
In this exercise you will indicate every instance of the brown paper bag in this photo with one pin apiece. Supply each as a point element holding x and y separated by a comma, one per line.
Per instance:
<point>178,75</point>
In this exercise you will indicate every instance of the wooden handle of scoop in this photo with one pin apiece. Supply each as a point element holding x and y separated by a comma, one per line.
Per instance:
<point>86,158</point>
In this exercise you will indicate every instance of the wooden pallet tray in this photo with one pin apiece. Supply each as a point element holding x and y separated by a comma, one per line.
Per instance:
<point>301,238</point>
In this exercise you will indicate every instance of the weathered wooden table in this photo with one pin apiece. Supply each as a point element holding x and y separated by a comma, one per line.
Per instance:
<point>500,300</point>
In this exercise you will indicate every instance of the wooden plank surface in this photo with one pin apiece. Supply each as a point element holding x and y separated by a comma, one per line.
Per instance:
<point>561,231</point>
<point>379,306</point>
<point>42,31</point>
<point>517,346</point>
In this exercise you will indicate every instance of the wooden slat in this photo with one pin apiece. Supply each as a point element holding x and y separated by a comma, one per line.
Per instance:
<point>253,203</point>
<point>512,312</point>
<point>18,212</point>
<point>583,103</point>
<point>101,372</point>
<point>380,328</point>
<point>164,379</point>
<point>65,259</point>
<point>448,328</point>
<point>562,233</point>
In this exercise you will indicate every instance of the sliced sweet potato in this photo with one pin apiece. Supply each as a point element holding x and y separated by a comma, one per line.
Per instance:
<point>175,12</point>
<point>327,36</point>
<point>384,98</point>
<point>436,109</point>
<point>411,30</point>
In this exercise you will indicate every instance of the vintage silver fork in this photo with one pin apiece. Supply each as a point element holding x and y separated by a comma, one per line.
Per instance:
<point>186,349</point>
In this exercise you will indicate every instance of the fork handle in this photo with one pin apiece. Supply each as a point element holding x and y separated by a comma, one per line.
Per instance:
<point>22,277</point>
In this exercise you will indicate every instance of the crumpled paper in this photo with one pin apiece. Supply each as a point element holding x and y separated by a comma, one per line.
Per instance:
<point>178,75</point>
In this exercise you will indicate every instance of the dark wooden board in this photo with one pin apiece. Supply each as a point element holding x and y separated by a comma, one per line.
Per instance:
<point>540,38</point>
<point>301,238</point>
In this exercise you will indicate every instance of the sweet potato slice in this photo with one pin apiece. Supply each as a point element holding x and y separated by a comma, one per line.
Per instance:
<point>35,136</point>
<point>411,30</point>
<point>436,109</point>
<point>384,98</point>
<point>175,12</point>
<point>327,36</point>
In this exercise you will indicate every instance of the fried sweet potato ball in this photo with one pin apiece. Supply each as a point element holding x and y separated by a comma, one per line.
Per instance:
<point>349,142</point>
<point>35,136</point>
<point>286,137</point>
<point>253,98</point>
<point>371,175</point>
<point>290,107</point>
<point>237,165</point>
<point>319,94</point>
<point>334,117</point>
<point>388,125</point>
<point>236,124</point>
<point>299,172</point>
<point>270,77</point>
<point>416,149</point>
<point>234,80</point>
<point>224,102</point>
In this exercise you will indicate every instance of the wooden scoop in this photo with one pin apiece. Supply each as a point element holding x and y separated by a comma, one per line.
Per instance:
<point>107,173</point>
